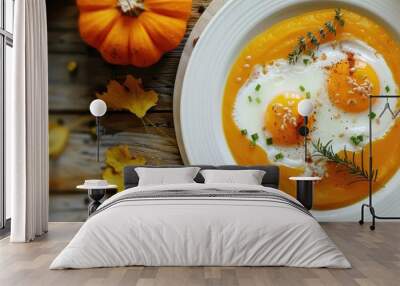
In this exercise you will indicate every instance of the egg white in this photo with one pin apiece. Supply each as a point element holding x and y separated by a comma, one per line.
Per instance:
<point>330,122</point>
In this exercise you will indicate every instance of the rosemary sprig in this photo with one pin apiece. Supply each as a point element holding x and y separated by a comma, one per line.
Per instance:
<point>349,164</point>
<point>310,42</point>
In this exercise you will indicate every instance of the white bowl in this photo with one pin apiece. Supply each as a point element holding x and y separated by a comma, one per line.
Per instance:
<point>201,130</point>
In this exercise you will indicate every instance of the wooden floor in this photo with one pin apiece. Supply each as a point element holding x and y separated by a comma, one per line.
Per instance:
<point>375,257</point>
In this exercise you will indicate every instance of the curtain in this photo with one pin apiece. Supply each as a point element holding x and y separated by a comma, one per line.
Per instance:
<point>27,124</point>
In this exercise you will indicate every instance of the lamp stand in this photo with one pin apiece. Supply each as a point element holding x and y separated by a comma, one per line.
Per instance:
<point>305,139</point>
<point>98,137</point>
<point>304,132</point>
<point>371,180</point>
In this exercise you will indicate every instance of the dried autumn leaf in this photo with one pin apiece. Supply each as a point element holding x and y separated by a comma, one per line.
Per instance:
<point>130,96</point>
<point>72,66</point>
<point>119,157</point>
<point>113,178</point>
<point>58,139</point>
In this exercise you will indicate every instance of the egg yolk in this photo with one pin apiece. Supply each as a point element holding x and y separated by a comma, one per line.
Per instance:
<point>350,83</point>
<point>283,121</point>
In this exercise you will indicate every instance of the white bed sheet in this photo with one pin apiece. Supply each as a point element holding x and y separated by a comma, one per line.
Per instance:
<point>200,232</point>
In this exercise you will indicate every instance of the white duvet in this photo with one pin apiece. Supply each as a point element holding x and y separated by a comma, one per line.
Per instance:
<point>200,231</point>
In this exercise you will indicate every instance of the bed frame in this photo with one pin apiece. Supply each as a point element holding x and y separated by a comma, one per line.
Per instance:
<point>271,177</point>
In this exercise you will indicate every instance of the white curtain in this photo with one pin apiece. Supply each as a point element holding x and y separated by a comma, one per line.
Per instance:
<point>27,124</point>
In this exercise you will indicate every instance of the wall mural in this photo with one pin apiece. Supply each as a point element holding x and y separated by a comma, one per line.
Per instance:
<point>136,85</point>
<point>333,56</point>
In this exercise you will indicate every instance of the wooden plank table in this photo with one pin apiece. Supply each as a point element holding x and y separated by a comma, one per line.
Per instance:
<point>70,95</point>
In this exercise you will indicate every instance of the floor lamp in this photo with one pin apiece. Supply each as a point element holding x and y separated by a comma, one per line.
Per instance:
<point>305,108</point>
<point>305,184</point>
<point>98,108</point>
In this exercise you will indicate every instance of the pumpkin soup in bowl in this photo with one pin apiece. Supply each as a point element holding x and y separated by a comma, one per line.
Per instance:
<point>336,58</point>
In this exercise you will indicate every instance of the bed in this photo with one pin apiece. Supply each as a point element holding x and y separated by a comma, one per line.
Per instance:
<point>198,224</point>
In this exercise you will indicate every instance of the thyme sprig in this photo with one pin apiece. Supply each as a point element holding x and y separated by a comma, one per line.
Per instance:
<point>313,41</point>
<point>348,164</point>
<point>339,16</point>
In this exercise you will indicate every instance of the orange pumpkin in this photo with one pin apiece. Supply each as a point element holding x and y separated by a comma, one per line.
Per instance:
<point>136,32</point>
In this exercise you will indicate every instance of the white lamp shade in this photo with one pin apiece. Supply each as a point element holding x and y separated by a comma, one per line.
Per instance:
<point>98,107</point>
<point>305,107</point>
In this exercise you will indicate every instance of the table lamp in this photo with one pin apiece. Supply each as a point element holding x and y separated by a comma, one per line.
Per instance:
<point>305,108</point>
<point>98,108</point>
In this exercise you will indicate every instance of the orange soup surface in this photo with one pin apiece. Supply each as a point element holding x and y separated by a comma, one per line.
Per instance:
<point>337,189</point>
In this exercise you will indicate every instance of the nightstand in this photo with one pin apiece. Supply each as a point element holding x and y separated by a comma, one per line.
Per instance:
<point>96,194</point>
<point>305,186</point>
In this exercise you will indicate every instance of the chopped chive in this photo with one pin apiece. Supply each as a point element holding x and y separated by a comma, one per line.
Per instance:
<point>249,98</point>
<point>356,140</point>
<point>302,88</point>
<point>372,115</point>
<point>387,88</point>
<point>308,95</point>
<point>258,87</point>
<point>269,141</point>
<point>258,100</point>
<point>254,137</point>
<point>243,131</point>
<point>278,156</point>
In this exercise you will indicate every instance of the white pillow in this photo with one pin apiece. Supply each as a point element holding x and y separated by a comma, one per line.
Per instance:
<point>165,176</point>
<point>247,177</point>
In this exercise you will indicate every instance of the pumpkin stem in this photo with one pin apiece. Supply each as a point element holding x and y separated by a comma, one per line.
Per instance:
<point>131,7</point>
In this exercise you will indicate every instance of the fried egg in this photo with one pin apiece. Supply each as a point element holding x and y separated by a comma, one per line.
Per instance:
<point>342,106</point>
<point>338,80</point>
<point>267,106</point>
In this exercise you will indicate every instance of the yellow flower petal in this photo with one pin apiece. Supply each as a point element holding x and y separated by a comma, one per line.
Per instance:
<point>129,96</point>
